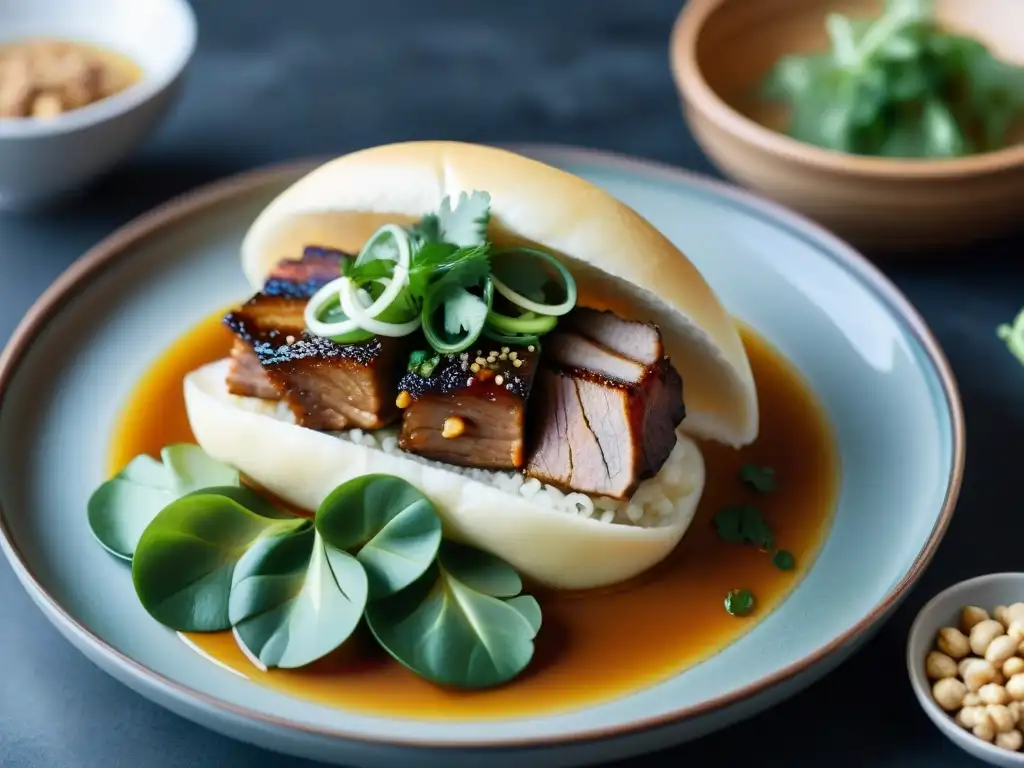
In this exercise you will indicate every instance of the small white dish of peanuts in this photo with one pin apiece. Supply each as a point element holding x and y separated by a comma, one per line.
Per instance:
<point>965,656</point>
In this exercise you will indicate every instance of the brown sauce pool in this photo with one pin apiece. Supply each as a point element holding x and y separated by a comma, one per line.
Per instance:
<point>594,646</point>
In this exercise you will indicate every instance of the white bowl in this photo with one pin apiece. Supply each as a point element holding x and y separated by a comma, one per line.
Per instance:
<point>42,160</point>
<point>943,610</point>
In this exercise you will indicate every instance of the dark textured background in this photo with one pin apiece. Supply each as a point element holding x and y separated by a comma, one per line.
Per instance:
<point>278,80</point>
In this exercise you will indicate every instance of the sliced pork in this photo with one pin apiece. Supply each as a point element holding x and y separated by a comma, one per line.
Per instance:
<point>328,386</point>
<point>471,408</point>
<point>606,406</point>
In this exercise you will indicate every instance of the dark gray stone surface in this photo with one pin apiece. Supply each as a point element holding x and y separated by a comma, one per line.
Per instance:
<point>278,80</point>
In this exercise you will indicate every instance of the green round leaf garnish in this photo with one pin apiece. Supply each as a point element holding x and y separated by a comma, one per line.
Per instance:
<point>294,599</point>
<point>739,602</point>
<point>393,529</point>
<point>480,570</point>
<point>121,508</point>
<point>184,561</point>
<point>761,479</point>
<point>449,633</point>
<point>193,469</point>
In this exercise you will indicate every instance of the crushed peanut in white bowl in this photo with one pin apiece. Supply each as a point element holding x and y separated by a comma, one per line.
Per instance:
<point>82,84</point>
<point>965,656</point>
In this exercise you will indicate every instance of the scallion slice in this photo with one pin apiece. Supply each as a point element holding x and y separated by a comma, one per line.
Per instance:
<point>527,323</point>
<point>524,281</point>
<point>465,315</point>
<point>364,311</point>
<point>319,305</point>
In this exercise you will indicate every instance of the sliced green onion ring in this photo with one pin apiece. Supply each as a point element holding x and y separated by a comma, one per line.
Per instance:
<point>535,325</point>
<point>519,340</point>
<point>436,340</point>
<point>364,315</point>
<point>568,284</point>
<point>318,302</point>
<point>402,243</point>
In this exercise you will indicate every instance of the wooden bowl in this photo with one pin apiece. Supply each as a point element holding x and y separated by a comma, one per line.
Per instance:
<point>721,49</point>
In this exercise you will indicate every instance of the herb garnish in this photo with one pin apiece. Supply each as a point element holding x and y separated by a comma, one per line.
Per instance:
<point>739,602</point>
<point>745,525</point>
<point>423,363</point>
<point>898,86</point>
<point>783,560</point>
<point>761,479</point>
<point>1013,335</point>
<point>293,589</point>
<point>443,274</point>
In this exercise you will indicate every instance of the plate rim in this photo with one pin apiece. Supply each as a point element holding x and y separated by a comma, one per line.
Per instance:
<point>108,251</point>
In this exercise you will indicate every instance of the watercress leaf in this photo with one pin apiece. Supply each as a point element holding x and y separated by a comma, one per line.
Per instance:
<point>392,529</point>
<point>121,508</point>
<point>466,223</point>
<point>185,558</point>
<point>294,599</point>
<point>146,470</point>
<point>479,570</point>
<point>248,497</point>
<point>453,635</point>
<point>529,608</point>
<point>192,469</point>
<point>119,511</point>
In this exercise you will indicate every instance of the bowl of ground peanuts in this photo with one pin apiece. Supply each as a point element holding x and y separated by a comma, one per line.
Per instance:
<point>82,84</point>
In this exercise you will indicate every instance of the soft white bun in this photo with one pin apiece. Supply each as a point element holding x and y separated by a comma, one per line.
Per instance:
<point>555,548</point>
<point>617,257</point>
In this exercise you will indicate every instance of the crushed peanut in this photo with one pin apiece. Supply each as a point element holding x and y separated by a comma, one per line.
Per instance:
<point>43,79</point>
<point>453,426</point>
<point>978,677</point>
<point>403,400</point>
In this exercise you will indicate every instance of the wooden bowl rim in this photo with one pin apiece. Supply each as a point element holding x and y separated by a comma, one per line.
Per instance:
<point>686,31</point>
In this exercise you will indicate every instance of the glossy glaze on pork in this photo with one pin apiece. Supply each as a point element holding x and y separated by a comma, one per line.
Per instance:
<point>328,386</point>
<point>606,407</point>
<point>471,410</point>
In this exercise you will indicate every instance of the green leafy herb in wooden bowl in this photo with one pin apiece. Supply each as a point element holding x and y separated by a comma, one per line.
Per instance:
<point>209,554</point>
<point>899,86</point>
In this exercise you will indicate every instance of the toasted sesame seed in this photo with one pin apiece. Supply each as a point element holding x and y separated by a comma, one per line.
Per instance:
<point>513,355</point>
<point>531,348</point>
<point>503,356</point>
<point>492,358</point>
<point>469,382</point>
<point>499,379</point>
<point>517,363</point>
<point>481,361</point>
<point>504,350</point>
<point>475,367</point>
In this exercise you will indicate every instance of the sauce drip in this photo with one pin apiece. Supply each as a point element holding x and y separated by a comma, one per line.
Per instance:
<point>593,646</point>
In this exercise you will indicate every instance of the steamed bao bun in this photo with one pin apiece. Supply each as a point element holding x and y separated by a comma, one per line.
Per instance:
<point>618,259</point>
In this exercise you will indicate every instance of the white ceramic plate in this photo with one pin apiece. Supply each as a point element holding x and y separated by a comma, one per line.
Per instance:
<point>874,366</point>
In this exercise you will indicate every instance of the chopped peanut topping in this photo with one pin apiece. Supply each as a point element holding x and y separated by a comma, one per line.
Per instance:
<point>403,399</point>
<point>453,427</point>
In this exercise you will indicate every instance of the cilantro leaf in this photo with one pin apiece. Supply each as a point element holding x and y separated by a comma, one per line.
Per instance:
<point>370,270</point>
<point>463,311</point>
<point>465,224</point>
<point>784,560</point>
<point>426,230</point>
<point>761,479</point>
<point>743,524</point>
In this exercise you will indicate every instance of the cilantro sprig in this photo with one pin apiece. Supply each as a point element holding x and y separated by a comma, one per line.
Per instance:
<point>438,275</point>
<point>899,86</point>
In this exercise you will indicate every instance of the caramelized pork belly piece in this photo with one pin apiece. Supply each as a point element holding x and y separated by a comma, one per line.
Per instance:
<point>471,410</point>
<point>292,282</point>
<point>328,386</point>
<point>603,419</point>
<point>246,376</point>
